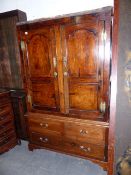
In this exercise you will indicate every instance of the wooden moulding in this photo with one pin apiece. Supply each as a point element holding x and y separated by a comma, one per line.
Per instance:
<point>64,19</point>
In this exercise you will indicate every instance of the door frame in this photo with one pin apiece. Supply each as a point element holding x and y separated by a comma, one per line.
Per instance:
<point>111,145</point>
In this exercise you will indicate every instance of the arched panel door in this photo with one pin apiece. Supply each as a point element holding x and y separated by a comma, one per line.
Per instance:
<point>42,67</point>
<point>83,62</point>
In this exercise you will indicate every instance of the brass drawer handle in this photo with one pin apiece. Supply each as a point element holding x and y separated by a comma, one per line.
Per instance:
<point>88,149</point>
<point>45,140</point>
<point>83,131</point>
<point>44,125</point>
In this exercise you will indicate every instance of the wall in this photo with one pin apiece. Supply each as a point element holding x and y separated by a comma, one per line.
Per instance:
<point>123,110</point>
<point>47,8</point>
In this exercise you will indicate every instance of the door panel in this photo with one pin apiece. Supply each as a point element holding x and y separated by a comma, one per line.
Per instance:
<point>43,93</point>
<point>39,58</point>
<point>82,60</point>
<point>83,96</point>
<point>40,55</point>
<point>84,69</point>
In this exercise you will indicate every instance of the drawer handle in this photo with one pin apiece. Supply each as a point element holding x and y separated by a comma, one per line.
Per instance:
<point>45,140</point>
<point>44,125</point>
<point>88,149</point>
<point>83,131</point>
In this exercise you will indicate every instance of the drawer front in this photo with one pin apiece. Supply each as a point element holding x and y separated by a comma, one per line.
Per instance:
<point>69,146</point>
<point>7,138</point>
<point>85,149</point>
<point>5,118</point>
<point>46,140</point>
<point>85,132</point>
<point>6,126</point>
<point>5,109</point>
<point>7,131</point>
<point>90,150</point>
<point>8,145</point>
<point>4,99</point>
<point>43,125</point>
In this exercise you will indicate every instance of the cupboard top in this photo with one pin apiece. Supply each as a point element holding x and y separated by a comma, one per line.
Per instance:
<point>101,13</point>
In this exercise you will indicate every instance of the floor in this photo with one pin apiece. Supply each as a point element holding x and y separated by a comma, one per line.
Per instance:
<point>20,161</point>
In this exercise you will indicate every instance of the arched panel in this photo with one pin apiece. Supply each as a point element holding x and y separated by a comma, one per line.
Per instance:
<point>81,51</point>
<point>38,50</point>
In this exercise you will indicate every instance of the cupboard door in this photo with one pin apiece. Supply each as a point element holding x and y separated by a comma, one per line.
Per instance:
<point>42,67</point>
<point>83,63</point>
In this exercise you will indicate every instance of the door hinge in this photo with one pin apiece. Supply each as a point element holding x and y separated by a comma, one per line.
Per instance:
<point>102,107</point>
<point>54,62</point>
<point>104,35</point>
<point>55,74</point>
<point>29,99</point>
<point>22,45</point>
<point>65,61</point>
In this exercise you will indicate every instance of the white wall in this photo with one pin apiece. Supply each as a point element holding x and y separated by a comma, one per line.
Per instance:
<point>47,8</point>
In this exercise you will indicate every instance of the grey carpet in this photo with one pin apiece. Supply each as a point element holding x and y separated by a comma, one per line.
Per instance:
<point>20,161</point>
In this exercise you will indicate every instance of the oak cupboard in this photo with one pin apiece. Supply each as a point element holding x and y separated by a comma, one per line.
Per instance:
<point>10,68</point>
<point>66,65</point>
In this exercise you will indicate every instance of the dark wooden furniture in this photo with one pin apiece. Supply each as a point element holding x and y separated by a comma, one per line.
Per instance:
<point>18,99</point>
<point>7,129</point>
<point>10,68</point>
<point>66,74</point>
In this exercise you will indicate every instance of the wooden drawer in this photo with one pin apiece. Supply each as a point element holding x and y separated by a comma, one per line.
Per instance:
<point>69,146</point>
<point>4,127</point>
<point>8,145</point>
<point>86,132</point>
<point>85,149</point>
<point>4,99</point>
<point>45,139</point>
<point>6,134</point>
<point>42,125</point>
<point>5,118</point>
<point>94,151</point>
<point>7,129</point>
<point>7,138</point>
<point>5,109</point>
